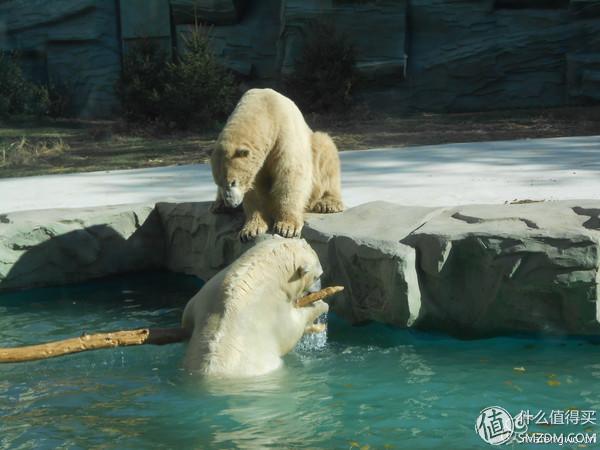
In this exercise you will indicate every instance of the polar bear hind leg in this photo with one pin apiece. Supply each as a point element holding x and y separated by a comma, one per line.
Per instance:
<point>326,196</point>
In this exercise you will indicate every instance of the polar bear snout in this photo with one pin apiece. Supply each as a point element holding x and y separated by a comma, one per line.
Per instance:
<point>232,195</point>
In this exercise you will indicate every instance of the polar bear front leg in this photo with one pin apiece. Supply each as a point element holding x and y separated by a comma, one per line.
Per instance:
<point>255,224</point>
<point>289,226</point>
<point>289,214</point>
<point>289,197</point>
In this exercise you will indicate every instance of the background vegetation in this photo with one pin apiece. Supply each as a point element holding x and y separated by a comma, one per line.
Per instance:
<point>18,96</point>
<point>325,73</point>
<point>192,91</point>
<point>173,109</point>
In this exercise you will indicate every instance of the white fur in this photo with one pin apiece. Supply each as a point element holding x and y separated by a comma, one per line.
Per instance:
<point>244,319</point>
<point>232,196</point>
<point>280,166</point>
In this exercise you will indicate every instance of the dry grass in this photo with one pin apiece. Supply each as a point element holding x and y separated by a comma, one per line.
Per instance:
<point>84,146</point>
<point>363,129</point>
<point>77,146</point>
<point>23,153</point>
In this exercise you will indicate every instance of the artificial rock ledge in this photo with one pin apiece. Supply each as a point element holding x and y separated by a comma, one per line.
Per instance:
<point>469,270</point>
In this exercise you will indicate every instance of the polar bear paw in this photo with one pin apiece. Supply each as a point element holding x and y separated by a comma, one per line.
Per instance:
<point>252,229</point>
<point>288,228</point>
<point>327,205</point>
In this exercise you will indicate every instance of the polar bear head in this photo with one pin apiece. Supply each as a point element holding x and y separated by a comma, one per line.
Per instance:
<point>234,168</point>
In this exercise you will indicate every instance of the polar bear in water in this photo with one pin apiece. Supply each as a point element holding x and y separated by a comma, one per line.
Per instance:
<point>244,319</point>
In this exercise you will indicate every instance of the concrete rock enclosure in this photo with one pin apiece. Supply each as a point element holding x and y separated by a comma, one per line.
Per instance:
<point>444,55</point>
<point>469,271</point>
<point>53,247</point>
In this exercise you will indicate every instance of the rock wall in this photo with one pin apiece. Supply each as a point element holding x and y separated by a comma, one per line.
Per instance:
<point>498,268</point>
<point>443,55</point>
<point>377,29</point>
<point>469,271</point>
<point>52,247</point>
<point>67,43</point>
<point>514,54</point>
<point>440,55</point>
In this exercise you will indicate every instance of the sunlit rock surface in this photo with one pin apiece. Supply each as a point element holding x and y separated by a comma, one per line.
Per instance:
<point>468,270</point>
<point>473,270</point>
<point>58,246</point>
<point>494,268</point>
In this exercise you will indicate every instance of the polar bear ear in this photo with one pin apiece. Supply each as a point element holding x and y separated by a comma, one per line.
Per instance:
<point>241,153</point>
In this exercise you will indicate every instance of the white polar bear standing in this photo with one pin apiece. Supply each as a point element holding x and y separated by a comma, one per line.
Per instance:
<point>244,319</point>
<point>268,158</point>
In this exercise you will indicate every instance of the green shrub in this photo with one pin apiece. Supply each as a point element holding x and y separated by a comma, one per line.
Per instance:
<point>143,81</point>
<point>325,72</point>
<point>60,100</point>
<point>194,90</point>
<point>199,91</point>
<point>18,95</point>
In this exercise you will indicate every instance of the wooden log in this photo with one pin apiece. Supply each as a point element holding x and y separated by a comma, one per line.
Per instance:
<point>319,295</point>
<point>153,336</point>
<point>97,341</point>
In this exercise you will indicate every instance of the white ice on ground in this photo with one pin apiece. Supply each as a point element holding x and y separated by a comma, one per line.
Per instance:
<point>433,175</point>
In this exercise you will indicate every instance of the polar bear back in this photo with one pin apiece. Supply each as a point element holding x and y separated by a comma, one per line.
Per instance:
<point>267,119</point>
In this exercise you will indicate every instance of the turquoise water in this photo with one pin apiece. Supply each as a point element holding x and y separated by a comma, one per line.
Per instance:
<point>367,387</point>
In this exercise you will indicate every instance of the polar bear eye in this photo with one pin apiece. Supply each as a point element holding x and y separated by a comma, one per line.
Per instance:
<point>241,153</point>
<point>303,270</point>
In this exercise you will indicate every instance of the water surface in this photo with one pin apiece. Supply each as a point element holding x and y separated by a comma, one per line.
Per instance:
<point>365,387</point>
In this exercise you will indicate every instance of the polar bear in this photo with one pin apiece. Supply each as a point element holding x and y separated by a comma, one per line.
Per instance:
<point>244,319</point>
<point>268,159</point>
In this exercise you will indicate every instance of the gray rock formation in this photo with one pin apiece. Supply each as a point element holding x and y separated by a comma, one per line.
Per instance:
<point>471,270</point>
<point>215,12</point>
<point>196,241</point>
<point>445,55</point>
<point>67,43</point>
<point>50,247</point>
<point>378,31</point>
<point>529,267</point>
<point>248,47</point>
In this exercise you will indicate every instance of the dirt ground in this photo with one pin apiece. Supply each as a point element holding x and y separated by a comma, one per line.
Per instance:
<point>30,148</point>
